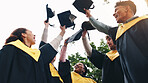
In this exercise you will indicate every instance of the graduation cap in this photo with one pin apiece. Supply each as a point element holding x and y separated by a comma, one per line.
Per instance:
<point>86,25</point>
<point>81,4</point>
<point>75,36</point>
<point>67,19</point>
<point>50,14</point>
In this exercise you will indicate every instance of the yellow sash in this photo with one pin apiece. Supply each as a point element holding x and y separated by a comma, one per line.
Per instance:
<point>34,53</point>
<point>128,25</point>
<point>113,54</point>
<point>76,78</point>
<point>54,72</point>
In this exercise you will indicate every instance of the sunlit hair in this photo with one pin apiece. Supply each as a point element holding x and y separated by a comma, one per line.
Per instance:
<point>16,34</point>
<point>127,3</point>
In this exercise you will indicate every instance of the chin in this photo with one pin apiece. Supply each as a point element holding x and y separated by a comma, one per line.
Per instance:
<point>33,43</point>
<point>119,21</point>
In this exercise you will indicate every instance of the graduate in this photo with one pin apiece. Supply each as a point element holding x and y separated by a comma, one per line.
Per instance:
<point>131,38</point>
<point>79,73</point>
<point>109,62</point>
<point>52,73</point>
<point>20,63</point>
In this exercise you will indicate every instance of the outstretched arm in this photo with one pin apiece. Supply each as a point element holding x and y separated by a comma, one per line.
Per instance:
<point>63,52</point>
<point>86,45</point>
<point>64,65</point>
<point>44,35</point>
<point>45,32</point>
<point>98,25</point>
<point>56,42</point>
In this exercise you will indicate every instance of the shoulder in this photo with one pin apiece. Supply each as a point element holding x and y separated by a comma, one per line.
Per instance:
<point>8,47</point>
<point>45,46</point>
<point>7,50</point>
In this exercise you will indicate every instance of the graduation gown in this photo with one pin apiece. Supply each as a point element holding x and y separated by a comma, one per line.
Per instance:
<point>52,73</point>
<point>72,77</point>
<point>19,65</point>
<point>111,68</point>
<point>132,45</point>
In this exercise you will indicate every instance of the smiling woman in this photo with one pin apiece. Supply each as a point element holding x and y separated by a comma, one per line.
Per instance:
<point>24,35</point>
<point>22,64</point>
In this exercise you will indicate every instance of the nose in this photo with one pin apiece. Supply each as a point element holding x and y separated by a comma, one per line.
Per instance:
<point>114,14</point>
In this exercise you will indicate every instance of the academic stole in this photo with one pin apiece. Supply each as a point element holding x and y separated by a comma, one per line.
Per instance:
<point>76,78</point>
<point>121,30</point>
<point>54,72</point>
<point>113,54</point>
<point>34,53</point>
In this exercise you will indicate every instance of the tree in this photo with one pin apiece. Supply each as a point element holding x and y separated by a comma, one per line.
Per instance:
<point>93,72</point>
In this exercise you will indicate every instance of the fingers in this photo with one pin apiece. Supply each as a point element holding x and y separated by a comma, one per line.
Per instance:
<point>87,12</point>
<point>63,27</point>
<point>46,24</point>
<point>65,42</point>
<point>62,30</point>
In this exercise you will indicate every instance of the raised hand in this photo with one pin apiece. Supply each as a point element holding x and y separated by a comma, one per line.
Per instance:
<point>87,13</point>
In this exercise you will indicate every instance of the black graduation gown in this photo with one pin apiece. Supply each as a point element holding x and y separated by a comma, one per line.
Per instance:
<point>111,70</point>
<point>16,66</point>
<point>65,73</point>
<point>50,78</point>
<point>132,47</point>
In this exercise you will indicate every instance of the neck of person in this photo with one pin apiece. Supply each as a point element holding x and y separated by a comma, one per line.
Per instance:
<point>113,47</point>
<point>80,73</point>
<point>127,17</point>
<point>28,44</point>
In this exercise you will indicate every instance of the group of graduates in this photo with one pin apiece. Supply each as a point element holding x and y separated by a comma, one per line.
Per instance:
<point>126,62</point>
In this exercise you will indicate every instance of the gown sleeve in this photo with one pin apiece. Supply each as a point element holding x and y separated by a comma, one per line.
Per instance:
<point>6,58</point>
<point>65,71</point>
<point>97,58</point>
<point>47,53</point>
<point>99,25</point>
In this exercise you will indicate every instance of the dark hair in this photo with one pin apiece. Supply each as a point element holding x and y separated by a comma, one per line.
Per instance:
<point>127,3</point>
<point>16,34</point>
<point>85,68</point>
<point>108,37</point>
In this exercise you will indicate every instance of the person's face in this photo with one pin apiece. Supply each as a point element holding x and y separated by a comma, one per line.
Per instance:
<point>30,37</point>
<point>110,44</point>
<point>120,14</point>
<point>79,68</point>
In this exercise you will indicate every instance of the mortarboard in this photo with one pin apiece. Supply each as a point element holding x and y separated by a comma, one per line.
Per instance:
<point>67,19</point>
<point>50,14</point>
<point>85,25</point>
<point>81,4</point>
<point>75,36</point>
